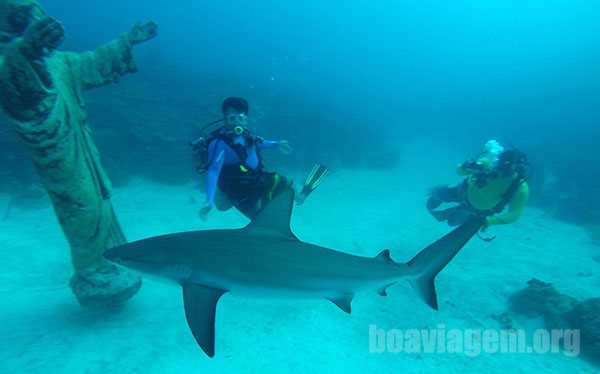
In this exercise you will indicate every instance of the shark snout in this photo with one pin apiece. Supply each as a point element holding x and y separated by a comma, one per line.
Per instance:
<point>112,255</point>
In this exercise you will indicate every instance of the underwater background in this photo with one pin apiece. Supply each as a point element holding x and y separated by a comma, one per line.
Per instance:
<point>390,95</point>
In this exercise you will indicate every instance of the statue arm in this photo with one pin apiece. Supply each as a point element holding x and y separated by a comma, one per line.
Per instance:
<point>104,65</point>
<point>110,61</point>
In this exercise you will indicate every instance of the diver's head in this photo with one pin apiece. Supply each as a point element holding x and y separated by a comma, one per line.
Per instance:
<point>493,148</point>
<point>235,113</point>
<point>511,161</point>
<point>17,15</point>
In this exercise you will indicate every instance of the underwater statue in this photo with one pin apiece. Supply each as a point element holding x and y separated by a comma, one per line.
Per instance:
<point>41,90</point>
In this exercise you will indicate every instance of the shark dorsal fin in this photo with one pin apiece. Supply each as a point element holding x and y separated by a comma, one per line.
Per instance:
<point>275,217</point>
<point>384,256</point>
<point>200,303</point>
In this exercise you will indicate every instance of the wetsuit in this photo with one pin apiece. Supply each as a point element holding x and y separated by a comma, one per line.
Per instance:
<point>235,167</point>
<point>487,197</point>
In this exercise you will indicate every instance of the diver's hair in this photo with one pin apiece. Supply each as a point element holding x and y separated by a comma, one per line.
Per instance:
<point>237,103</point>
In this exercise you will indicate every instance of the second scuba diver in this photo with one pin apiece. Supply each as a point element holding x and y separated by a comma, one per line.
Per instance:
<point>494,181</point>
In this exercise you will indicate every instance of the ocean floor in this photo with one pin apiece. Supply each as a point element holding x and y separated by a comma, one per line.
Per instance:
<point>43,329</point>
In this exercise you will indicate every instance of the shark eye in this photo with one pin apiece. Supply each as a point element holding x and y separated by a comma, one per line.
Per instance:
<point>118,260</point>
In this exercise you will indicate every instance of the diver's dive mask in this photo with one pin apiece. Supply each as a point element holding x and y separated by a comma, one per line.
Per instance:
<point>236,119</point>
<point>237,122</point>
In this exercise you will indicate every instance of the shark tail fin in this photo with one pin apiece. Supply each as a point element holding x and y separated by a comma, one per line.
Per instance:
<point>431,260</point>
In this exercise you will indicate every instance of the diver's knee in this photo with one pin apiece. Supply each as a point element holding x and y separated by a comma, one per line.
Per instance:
<point>222,202</point>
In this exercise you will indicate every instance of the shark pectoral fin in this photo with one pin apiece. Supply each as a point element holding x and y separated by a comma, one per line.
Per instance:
<point>343,302</point>
<point>275,217</point>
<point>200,305</point>
<point>425,288</point>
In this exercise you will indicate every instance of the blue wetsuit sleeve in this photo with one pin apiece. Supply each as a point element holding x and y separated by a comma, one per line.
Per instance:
<point>268,144</point>
<point>213,172</point>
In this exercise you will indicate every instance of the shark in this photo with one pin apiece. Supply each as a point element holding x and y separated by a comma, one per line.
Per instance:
<point>265,259</point>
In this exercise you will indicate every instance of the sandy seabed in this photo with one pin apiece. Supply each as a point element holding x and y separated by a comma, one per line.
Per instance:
<point>43,329</point>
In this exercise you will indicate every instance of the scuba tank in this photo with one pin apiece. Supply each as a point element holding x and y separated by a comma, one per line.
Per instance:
<point>200,148</point>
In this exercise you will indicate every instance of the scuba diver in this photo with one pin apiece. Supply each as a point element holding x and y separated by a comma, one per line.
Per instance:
<point>235,175</point>
<point>494,180</point>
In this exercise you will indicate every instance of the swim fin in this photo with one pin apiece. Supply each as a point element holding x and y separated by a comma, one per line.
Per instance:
<point>314,179</point>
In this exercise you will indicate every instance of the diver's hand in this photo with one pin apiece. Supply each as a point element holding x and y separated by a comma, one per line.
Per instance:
<point>284,147</point>
<point>203,213</point>
<point>142,31</point>
<point>41,37</point>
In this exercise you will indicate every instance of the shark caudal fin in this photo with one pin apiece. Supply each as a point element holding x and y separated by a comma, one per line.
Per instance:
<point>431,260</point>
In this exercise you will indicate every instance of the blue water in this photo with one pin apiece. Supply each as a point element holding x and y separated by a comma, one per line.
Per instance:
<point>493,67</point>
<point>391,95</point>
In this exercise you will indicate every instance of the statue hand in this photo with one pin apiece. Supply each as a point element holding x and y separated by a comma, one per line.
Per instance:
<point>42,36</point>
<point>142,31</point>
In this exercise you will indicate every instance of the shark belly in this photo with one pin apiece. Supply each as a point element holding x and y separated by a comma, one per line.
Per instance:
<point>288,284</point>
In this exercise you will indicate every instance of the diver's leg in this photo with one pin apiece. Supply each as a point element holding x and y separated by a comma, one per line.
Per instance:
<point>222,202</point>
<point>433,202</point>
<point>437,196</point>
<point>271,185</point>
<point>250,206</point>
<point>247,198</point>
<point>445,194</point>
<point>460,215</point>
<point>442,215</point>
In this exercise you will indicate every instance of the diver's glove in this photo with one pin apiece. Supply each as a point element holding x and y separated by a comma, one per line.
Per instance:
<point>41,37</point>
<point>203,213</point>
